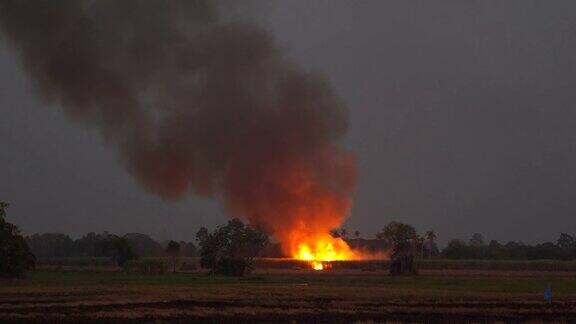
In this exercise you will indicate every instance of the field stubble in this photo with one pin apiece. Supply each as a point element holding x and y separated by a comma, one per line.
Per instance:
<point>283,295</point>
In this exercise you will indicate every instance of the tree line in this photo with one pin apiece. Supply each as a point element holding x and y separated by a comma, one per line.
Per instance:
<point>56,245</point>
<point>231,248</point>
<point>421,245</point>
<point>424,245</point>
<point>476,248</point>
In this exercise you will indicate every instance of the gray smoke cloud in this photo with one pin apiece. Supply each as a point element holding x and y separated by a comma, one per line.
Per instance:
<point>193,103</point>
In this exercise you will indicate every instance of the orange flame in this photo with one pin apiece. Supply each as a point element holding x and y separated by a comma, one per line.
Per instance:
<point>309,239</point>
<point>307,218</point>
<point>317,265</point>
<point>323,248</point>
<point>299,201</point>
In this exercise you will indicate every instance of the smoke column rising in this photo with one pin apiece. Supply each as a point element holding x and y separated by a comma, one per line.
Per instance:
<point>194,103</point>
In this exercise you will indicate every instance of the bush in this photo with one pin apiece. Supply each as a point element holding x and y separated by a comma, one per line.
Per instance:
<point>122,251</point>
<point>230,249</point>
<point>233,266</point>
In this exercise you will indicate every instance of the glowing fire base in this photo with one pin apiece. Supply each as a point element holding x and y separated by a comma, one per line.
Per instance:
<point>321,265</point>
<point>324,250</point>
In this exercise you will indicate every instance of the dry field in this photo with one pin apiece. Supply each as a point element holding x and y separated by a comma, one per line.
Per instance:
<point>287,295</point>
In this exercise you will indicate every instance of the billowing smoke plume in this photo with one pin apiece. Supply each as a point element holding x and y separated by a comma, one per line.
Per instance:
<point>193,103</point>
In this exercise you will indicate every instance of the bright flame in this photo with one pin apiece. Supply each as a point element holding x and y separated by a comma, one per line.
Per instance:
<point>320,249</point>
<point>324,248</point>
<point>317,265</point>
<point>307,218</point>
<point>302,201</point>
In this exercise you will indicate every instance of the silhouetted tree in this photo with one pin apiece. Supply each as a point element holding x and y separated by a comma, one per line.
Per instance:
<point>188,249</point>
<point>51,245</point>
<point>230,249</point>
<point>402,238</point>
<point>566,241</point>
<point>202,235</point>
<point>477,249</point>
<point>516,250</point>
<point>144,245</point>
<point>420,245</point>
<point>357,234</point>
<point>547,250</point>
<point>397,233</point>
<point>477,240</point>
<point>496,251</point>
<point>97,245</point>
<point>3,207</point>
<point>456,249</point>
<point>121,251</point>
<point>430,244</point>
<point>15,255</point>
<point>173,250</point>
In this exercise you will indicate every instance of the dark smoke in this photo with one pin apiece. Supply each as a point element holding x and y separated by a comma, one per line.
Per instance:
<point>192,102</point>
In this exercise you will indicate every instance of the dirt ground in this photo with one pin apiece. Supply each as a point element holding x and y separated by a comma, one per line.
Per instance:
<point>289,296</point>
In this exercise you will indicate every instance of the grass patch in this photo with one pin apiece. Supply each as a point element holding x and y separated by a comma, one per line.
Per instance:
<point>419,284</point>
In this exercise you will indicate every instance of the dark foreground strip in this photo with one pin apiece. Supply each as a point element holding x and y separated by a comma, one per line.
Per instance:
<point>308,311</point>
<point>566,307</point>
<point>78,309</point>
<point>318,317</point>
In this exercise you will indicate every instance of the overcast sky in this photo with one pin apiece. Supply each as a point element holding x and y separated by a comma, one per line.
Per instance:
<point>462,118</point>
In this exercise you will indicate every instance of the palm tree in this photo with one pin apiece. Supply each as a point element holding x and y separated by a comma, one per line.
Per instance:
<point>420,240</point>
<point>430,237</point>
<point>3,206</point>
<point>173,250</point>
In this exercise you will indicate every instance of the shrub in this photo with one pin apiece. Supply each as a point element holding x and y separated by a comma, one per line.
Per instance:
<point>122,251</point>
<point>233,266</point>
<point>230,249</point>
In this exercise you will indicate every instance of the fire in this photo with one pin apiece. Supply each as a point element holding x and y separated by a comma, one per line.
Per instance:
<point>308,210</point>
<point>321,249</point>
<point>299,200</point>
<point>317,265</point>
